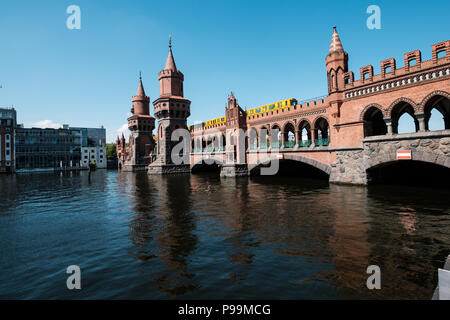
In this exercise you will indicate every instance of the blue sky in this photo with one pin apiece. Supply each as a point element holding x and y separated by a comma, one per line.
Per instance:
<point>264,51</point>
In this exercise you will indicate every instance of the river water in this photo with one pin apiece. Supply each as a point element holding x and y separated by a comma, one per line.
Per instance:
<point>202,237</point>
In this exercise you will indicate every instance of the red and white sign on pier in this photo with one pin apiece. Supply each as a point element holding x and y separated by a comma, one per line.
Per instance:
<point>404,155</point>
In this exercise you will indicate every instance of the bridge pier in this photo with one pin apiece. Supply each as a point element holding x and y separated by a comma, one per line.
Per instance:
<point>234,170</point>
<point>351,165</point>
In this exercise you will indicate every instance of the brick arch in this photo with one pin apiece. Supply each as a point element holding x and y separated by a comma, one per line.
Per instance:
<point>314,163</point>
<point>426,156</point>
<point>303,120</point>
<point>257,129</point>
<point>376,105</point>
<point>431,95</point>
<point>275,124</point>
<point>317,118</point>
<point>397,101</point>
<point>218,160</point>
<point>286,124</point>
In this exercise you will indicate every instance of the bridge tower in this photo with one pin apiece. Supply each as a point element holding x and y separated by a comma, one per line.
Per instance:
<point>337,66</point>
<point>141,125</point>
<point>172,111</point>
<point>236,142</point>
<point>137,154</point>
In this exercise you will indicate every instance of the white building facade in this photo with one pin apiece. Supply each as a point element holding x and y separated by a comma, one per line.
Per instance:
<point>93,154</point>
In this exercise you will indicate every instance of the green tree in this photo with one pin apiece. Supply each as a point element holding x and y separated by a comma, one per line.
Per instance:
<point>111,151</point>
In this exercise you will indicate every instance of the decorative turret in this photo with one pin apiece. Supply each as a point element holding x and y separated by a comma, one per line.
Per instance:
<point>336,63</point>
<point>172,110</point>
<point>236,117</point>
<point>140,101</point>
<point>137,154</point>
<point>171,102</point>
<point>170,79</point>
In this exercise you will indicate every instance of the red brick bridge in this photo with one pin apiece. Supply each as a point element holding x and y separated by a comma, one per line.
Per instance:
<point>348,134</point>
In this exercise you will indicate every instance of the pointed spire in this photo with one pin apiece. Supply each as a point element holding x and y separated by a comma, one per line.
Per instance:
<point>170,63</point>
<point>336,45</point>
<point>140,91</point>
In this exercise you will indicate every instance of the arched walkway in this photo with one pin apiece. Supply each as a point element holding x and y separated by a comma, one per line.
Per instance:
<point>304,132</point>
<point>264,138</point>
<point>289,138</point>
<point>404,110</point>
<point>275,136</point>
<point>321,132</point>
<point>440,105</point>
<point>374,124</point>
<point>253,139</point>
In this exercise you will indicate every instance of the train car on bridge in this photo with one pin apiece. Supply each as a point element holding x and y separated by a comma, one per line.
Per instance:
<point>214,122</point>
<point>254,111</point>
<point>272,107</point>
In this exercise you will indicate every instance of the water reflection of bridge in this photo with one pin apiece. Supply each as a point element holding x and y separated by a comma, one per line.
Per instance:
<point>185,227</point>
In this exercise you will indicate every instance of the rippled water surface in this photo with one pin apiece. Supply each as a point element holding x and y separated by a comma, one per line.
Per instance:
<point>200,236</point>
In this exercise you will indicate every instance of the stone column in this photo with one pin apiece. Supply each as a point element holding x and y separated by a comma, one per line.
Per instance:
<point>313,137</point>
<point>297,138</point>
<point>421,118</point>
<point>389,126</point>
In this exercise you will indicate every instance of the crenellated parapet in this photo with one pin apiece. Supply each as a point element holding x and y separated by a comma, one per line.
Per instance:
<point>414,71</point>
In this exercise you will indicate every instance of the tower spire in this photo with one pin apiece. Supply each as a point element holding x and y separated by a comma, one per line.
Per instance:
<point>336,44</point>
<point>140,91</point>
<point>170,63</point>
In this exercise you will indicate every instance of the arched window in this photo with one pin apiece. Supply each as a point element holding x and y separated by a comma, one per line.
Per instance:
<point>437,113</point>
<point>305,134</point>
<point>289,135</point>
<point>321,132</point>
<point>275,136</point>
<point>264,138</point>
<point>253,139</point>
<point>403,118</point>
<point>374,124</point>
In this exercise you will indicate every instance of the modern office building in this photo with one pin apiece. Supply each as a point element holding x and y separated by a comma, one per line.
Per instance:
<point>38,148</point>
<point>91,137</point>
<point>8,118</point>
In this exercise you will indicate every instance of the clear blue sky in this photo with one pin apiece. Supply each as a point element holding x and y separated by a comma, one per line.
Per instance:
<point>262,50</point>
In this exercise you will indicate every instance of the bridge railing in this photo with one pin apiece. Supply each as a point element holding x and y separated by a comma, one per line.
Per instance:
<point>276,144</point>
<point>208,149</point>
<point>304,143</point>
<point>289,144</point>
<point>322,142</point>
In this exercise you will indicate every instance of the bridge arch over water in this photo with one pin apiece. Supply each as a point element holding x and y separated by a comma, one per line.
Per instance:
<point>265,161</point>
